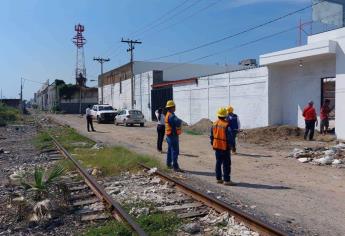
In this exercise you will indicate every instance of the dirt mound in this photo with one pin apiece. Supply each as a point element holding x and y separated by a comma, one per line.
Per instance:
<point>270,133</point>
<point>203,126</point>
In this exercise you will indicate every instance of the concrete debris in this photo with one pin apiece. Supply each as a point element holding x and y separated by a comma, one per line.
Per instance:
<point>326,160</point>
<point>97,146</point>
<point>192,228</point>
<point>334,155</point>
<point>139,211</point>
<point>18,199</point>
<point>96,172</point>
<point>156,180</point>
<point>337,162</point>
<point>304,159</point>
<point>152,171</point>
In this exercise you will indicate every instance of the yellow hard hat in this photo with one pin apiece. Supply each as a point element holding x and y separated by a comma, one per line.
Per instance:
<point>230,109</point>
<point>170,103</point>
<point>222,112</point>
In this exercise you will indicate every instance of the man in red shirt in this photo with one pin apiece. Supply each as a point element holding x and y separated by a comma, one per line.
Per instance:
<point>310,118</point>
<point>324,116</point>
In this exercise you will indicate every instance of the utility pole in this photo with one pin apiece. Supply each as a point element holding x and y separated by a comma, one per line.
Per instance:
<point>100,83</point>
<point>131,48</point>
<point>21,94</point>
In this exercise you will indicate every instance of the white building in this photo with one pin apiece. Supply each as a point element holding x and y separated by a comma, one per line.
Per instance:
<point>115,86</point>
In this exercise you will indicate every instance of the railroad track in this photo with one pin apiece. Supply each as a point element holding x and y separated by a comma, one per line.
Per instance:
<point>173,196</point>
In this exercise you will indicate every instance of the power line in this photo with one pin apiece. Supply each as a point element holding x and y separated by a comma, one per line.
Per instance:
<point>245,44</point>
<point>236,34</point>
<point>169,18</point>
<point>159,18</point>
<point>191,15</point>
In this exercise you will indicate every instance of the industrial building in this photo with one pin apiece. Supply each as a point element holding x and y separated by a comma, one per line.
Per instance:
<point>116,85</point>
<point>58,96</point>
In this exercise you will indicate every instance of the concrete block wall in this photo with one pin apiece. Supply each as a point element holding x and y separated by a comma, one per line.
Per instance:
<point>142,88</point>
<point>246,90</point>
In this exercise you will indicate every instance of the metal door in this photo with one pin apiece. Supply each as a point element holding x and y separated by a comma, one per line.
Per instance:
<point>159,97</point>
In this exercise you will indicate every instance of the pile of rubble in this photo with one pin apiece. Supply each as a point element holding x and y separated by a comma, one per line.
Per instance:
<point>334,155</point>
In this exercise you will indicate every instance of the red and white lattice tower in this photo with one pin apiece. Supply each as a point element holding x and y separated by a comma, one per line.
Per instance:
<point>79,41</point>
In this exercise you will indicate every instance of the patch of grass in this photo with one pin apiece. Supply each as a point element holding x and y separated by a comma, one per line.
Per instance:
<point>155,224</point>
<point>113,160</point>
<point>193,132</point>
<point>43,141</point>
<point>110,160</point>
<point>110,228</point>
<point>70,139</point>
<point>8,114</point>
<point>160,224</point>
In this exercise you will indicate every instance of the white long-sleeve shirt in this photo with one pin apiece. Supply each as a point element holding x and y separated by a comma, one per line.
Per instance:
<point>88,112</point>
<point>160,121</point>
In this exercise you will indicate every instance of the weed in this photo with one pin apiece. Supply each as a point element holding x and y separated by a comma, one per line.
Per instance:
<point>113,160</point>
<point>8,114</point>
<point>110,228</point>
<point>42,141</point>
<point>41,183</point>
<point>159,224</point>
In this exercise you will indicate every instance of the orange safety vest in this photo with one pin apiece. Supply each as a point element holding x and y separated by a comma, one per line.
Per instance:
<point>219,129</point>
<point>168,127</point>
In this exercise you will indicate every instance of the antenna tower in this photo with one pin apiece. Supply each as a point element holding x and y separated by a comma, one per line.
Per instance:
<point>79,41</point>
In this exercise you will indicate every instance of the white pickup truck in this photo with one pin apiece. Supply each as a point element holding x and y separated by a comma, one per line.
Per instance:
<point>103,113</point>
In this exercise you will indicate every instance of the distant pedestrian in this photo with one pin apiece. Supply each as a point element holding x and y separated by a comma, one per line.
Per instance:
<point>324,116</point>
<point>222,142</point>
<point>89,119</point>
<point>235,125</point>
<point>172,131</point>
<point>160,128</point>
<point>310,118</point>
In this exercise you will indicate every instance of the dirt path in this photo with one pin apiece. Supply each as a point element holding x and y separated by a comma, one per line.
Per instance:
<point>303,196</point>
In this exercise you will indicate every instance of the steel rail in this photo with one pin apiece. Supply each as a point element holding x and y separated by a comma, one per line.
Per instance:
<point>253,223</point>
<point>116,210</point>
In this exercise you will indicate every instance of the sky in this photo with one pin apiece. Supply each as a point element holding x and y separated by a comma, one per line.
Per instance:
<point>36,35</point>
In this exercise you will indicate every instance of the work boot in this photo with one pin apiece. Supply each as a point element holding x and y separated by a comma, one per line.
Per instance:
<point>229,183</point>
<point>219,181</point>
<point>234,150</point>
<point>178,170</point>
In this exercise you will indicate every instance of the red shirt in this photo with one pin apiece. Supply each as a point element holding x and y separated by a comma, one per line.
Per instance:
<point>324,112</point>
<point>309,113</point>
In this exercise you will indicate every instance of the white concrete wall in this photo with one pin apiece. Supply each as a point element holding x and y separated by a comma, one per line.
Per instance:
<point>292,86</point>
<point>340,90</point>
<point>142,88</point>
<point>113,97</point>
<point>246,90</point>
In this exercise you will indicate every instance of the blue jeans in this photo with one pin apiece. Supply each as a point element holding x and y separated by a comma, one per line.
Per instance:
<point>223,159</point>
<point>173,151</point>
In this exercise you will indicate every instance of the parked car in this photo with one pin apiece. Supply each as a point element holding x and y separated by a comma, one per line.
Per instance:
<point>130,117</point>
<point>103,113</point>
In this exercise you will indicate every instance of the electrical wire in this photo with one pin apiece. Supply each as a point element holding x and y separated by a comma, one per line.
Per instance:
<point>169,18</point>
<point>159,18</point>
<point>191,15</point>
<point>236,34</point>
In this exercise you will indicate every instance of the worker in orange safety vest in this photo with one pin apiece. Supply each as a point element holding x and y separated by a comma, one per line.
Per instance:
<point>222,142</point>
<point>172,132</point>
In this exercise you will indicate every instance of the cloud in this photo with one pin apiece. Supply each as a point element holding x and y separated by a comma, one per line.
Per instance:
<point>240,3</point>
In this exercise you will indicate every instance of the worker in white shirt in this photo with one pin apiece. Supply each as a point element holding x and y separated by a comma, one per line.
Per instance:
<point>160,128</point>
<point>89,119</point>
